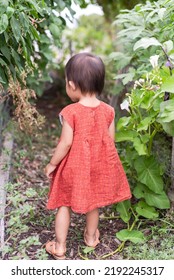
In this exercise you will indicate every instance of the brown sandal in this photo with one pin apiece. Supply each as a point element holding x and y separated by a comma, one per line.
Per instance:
<point>96,242</point>
<point>50,247</point>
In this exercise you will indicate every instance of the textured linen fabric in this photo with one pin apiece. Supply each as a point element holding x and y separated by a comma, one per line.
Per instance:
<point>91,174</point>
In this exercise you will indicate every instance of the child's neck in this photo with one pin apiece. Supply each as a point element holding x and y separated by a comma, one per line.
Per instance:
<point>89,100</point>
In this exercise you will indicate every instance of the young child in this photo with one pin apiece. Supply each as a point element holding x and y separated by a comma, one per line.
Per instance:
<point>85,170</point>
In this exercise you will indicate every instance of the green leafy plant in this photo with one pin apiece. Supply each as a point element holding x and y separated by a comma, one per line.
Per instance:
<point>159,241</point>
<point>144,26</point>
<point>147,42</point>
<point>18,220</point>
<point>144,122</point>
<point>28,29</point>
<point>30,38</point>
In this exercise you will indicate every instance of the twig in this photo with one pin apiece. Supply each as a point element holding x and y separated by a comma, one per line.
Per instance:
<point>6,241</point>
<point>8,204</point>
<point>36,21</point>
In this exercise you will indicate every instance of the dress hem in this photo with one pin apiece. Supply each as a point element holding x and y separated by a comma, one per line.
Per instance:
<point>92,207</point>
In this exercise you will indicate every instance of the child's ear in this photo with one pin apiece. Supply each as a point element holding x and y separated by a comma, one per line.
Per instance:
<point>72,85</point>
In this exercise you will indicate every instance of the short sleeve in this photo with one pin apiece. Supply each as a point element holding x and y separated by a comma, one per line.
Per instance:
<point>111,115</point>
<point>67,114</point>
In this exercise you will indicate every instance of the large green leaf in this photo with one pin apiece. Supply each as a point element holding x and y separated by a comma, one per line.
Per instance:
<point>6,52</point>
<point>55,30</point>
<point>139,146</point>
<point>24,21</point>
<point>34,32</point>
<point>168,127</point>
<point>168,84</point>
<point>3,23</point>
<point>160,201</point>
<point>10,11</point>
<point>146,42</point>
<point>144,210</point>
<point>167,105</point>
<point>3,6</point>
<point>121,59</point>
<point>131,32</point>
<point>3,63</point>
<point>149,173</point>
<point>168,46</point>
<point>140,191</point>
<point>166,111</point>
<point>35,5</point>
<point>134,236</point>
<point>25,52</point>
<point>144,124</point>
<point>3,78</point>
<point>145,138</point>
<point>123,122</point>
<point>146,100</point>
<point>125,135</point>
<point>16,28</point>
<point>17,59</point>
<point>126,77</point>
<point>123,208</point>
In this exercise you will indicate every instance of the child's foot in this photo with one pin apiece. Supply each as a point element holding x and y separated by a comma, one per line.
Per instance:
<point>92,242</point>
<point>58,252</point>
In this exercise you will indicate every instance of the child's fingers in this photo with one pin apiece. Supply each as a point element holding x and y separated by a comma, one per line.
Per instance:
<point>49,175</point>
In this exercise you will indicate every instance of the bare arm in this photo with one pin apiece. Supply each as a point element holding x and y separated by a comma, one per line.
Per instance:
<point>112,130</point>
<point>62,148</point>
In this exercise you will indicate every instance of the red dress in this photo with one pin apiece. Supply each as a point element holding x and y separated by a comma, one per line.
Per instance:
<point>91,174</point>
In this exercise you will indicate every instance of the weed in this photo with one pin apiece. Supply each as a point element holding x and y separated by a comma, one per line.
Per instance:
<point>18,221</point>
<point>159,245</point>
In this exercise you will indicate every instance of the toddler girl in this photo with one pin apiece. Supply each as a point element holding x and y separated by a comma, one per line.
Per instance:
<point>85,170</point>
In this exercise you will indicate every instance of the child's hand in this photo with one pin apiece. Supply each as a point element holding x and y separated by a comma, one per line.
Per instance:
<point>49,169</point>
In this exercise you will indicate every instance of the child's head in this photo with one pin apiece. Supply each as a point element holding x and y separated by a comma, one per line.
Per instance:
<point>87,72</point>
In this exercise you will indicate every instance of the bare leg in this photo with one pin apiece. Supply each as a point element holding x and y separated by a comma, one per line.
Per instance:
<point>92,219</point>
<point>62,223</point>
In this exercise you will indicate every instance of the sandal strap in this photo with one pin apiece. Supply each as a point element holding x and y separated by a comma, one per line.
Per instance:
<point>52,250</point>
<point>96,242</point>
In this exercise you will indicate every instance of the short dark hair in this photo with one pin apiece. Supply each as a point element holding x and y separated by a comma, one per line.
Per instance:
<point>87,71</point>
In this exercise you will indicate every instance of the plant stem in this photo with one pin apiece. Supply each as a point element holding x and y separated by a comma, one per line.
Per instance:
<point>119,249</point>
<point>168,58</point>
<point>166,222</point>
<point>136,217</point>
<point>151,141</point>
<point>110,217</point>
